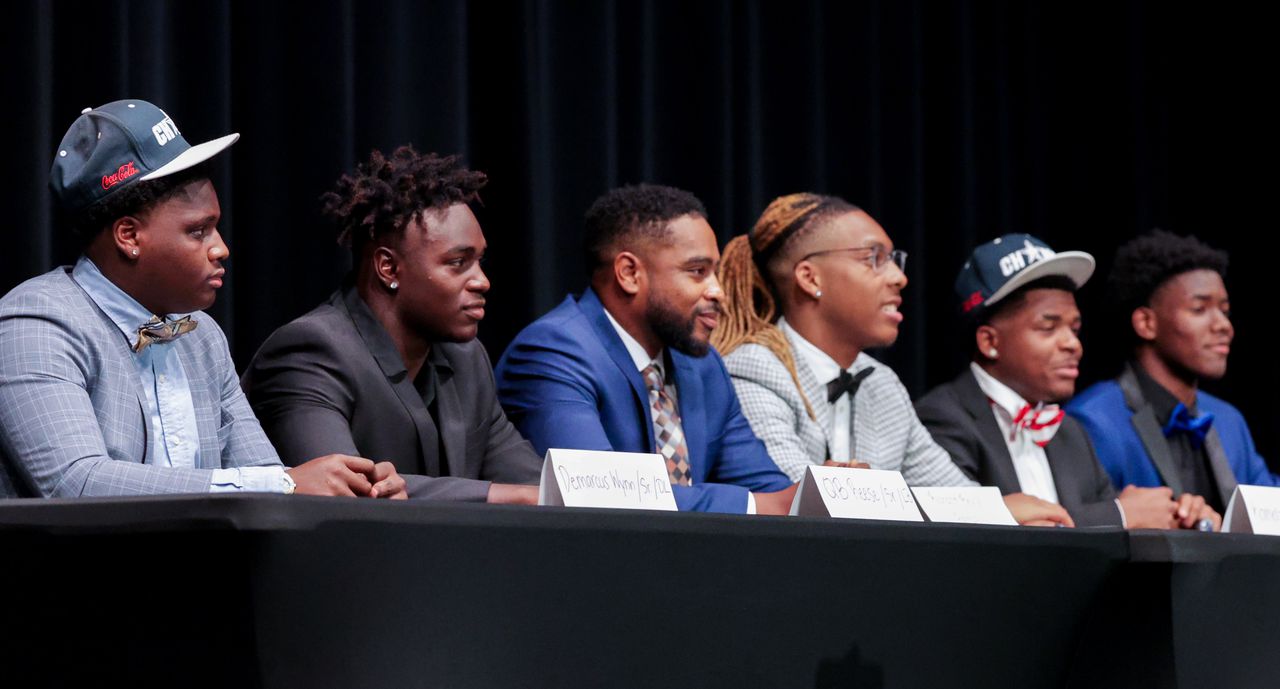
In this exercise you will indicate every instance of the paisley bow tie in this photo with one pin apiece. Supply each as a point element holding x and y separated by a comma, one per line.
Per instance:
<point>1196,427</point>
<point>162,330</point>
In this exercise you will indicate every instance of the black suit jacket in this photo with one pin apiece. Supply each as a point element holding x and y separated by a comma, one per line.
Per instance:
<point>958,415</point>
<point>332,381</point>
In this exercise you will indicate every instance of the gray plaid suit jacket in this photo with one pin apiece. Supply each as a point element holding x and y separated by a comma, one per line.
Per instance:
<point>886,432</point>
<point>72,406</point>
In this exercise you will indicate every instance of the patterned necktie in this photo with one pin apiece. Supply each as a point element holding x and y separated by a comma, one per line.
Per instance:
<point>158,330</point>
<point>1196,427</point>
<point>666,428</point>
<point>1035,425</point>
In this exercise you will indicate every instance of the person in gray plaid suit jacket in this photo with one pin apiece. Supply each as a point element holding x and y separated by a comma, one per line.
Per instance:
<point>813,285</point>
<point>98,394</point>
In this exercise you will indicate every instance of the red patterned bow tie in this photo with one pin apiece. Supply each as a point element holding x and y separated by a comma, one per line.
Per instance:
<point>1037,425</point>
<point>1031,424</point>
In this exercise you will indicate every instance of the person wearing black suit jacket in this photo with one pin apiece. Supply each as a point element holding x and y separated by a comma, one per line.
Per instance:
<point>389,367</point>
<point>999,419</point>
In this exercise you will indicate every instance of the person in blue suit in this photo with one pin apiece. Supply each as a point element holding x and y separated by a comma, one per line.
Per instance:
<point>628,366</point>
<point>1153,425</point>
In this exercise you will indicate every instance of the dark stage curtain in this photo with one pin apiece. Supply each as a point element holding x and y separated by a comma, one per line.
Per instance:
<point>951,122</point>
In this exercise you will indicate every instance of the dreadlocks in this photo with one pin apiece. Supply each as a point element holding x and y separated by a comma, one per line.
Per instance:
<point>387,192</point>
<point>751,307</point>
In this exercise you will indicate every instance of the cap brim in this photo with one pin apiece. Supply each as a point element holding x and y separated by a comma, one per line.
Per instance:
<point>194,156</point>
<point>1076,266</point>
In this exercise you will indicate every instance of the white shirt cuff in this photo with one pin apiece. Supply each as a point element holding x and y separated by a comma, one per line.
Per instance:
<point>1124,523</point>
<point>751,503</point>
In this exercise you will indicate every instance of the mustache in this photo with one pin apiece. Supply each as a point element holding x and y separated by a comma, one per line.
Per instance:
<point>715,308</point>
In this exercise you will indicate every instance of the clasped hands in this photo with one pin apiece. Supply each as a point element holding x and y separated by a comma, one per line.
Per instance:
<point>349,476</point>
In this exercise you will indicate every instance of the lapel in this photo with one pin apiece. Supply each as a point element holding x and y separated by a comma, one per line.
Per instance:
<point>975,403</point>
<point>591,307</point>
<point>692,404</point>
<point>206,402</point>
<point>1222,474</point>
<point>451,421</point>
<point>816,393</point>
<point>125,359</point>
<point>384,352</point>
<point>1149,431</point>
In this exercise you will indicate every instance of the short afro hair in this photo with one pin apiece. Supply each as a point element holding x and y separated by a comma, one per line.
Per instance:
<point>636,212</point>
<point>386,193</point>
<point>136,199</point>
<point>1144,263</point>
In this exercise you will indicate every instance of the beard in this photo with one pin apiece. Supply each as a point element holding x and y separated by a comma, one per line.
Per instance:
<point>676,330</point>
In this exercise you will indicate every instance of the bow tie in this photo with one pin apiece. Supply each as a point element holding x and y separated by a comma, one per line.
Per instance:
<point>846,382</point>
<point>1196,427</point>
<point>158,330</point>
<point>1037,425</point>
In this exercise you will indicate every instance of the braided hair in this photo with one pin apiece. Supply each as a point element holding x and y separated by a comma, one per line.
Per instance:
<point>751,302</point>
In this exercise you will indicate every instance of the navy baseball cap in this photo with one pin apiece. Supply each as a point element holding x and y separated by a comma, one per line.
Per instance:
<point>120,144</point>
<point>1002,265</point>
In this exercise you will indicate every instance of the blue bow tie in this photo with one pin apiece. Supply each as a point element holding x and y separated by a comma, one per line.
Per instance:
<point>1197,427</point>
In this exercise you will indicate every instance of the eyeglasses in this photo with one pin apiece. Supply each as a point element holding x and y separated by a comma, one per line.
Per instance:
<point>879,257</point>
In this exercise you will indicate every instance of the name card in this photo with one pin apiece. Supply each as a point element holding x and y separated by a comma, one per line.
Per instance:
<point>1253,509</point>
<point>854,494</point>
<point>623,480</point>
<point>968,505</point>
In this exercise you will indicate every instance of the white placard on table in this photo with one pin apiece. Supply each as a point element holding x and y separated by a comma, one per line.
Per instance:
<point>854,494</point>
<point>588,478</point>
<point>1253,509</point>
<point>963,505</point>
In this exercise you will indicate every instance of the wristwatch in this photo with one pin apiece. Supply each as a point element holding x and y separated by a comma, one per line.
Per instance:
<point>289,484</point>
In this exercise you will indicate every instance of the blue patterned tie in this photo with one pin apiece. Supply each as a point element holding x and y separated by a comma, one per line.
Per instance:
<point>1197,427</point>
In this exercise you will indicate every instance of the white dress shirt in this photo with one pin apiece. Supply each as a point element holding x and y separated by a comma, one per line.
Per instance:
<point>825,369</point>
<point>1029,460</point>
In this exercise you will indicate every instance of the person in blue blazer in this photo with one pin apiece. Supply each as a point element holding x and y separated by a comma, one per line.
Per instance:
<point>628,366</point>
<point>1152,425</point>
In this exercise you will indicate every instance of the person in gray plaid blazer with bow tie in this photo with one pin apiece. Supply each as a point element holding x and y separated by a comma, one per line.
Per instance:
<point>813,285</point>
<point>99,395</point>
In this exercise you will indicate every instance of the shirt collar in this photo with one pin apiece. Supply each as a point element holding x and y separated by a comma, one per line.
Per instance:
<point>123,310</point>
<point>824,368</point>
<point>998,392</point>
<point>638,354</point>
<point>1161,400</point>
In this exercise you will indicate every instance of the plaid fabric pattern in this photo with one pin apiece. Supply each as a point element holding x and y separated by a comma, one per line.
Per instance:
<point>667,433</point>
<point>887,434</point>
<point>72,419</point>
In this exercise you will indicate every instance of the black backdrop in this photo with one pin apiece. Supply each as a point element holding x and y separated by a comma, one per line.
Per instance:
<point>951,122</point>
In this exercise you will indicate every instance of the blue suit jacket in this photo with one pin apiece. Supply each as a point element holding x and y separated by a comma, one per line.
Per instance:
<point>568,381</point>
<point>1132,448</point>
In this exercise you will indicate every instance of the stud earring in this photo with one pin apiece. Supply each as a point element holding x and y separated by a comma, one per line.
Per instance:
<point>992,353</point>
<point>817,294</point>
<point>394,285</point>
<point>135,252</point>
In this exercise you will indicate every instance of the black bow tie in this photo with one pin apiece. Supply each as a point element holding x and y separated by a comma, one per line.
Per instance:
<point>846,383</point>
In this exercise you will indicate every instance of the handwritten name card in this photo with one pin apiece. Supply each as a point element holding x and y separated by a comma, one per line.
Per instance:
<point>969,505</point>
<point>622,480</point>
<point>854,494</point>
<point>1253,509</point>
